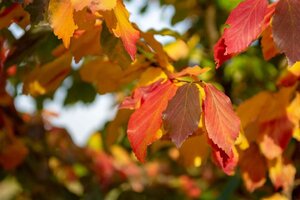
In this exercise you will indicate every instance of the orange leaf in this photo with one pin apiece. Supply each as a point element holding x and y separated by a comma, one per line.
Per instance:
<point>61,20</point>
<point>48,77</point>
<point>221,123</point>
<point>269,48</point>
<point>275,136</point>
<point>191,71</point>
<point>94,5</point>
<point>146,121</point>
<point>89,38</point>
<point>102,4</point>
<point>125,30</point>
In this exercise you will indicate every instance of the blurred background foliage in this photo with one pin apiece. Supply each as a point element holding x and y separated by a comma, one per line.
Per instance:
<point>47,164</point>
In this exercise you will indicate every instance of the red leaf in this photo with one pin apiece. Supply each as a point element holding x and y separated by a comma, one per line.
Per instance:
<point>221,123</point>
<point>254,177</point>
<point>286,28</point>
<point>145,122</point>
<point>182,115</point>
<point>139,96</point>
<point>219,52</point>
<point>227,162</point>
<point>245,23</point>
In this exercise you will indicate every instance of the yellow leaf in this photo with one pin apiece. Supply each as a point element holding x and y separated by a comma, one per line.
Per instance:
<point>276,196</point>
<point>242,141</point>
<point>96,5</point>
<point>194,151</point>
<point>104,74</point>
<point>250,109</point>
<point>282,174</point>
<point>47,78</point>
<point>80,4</point>
<point>294,115</point>
<point>152,75</point>
<point>95,142</point>
<point>121,156</point>
<point>295,69</point>
<point>177,50</point>
<point>61,19</point>
<point>108,76</point>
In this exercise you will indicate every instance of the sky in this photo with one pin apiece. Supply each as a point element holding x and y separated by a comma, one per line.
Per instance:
<point>82,120</point>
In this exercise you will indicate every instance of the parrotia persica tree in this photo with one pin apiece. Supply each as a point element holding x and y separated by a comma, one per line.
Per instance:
<point>217,106</point>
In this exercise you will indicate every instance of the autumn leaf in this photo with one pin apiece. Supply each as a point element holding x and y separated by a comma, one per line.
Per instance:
<point>108,76</point>
<point>158,50</point>
<point>245,24</point>
<point>47,78</point>
<point>146,121</point>
<point>80,4</point>
<point>177,50</point>
<point>94,5</point>
<point>282,174</point>
<point>293,113</point>
<point>151,75</point>
<point>290,76</point>
<point>221,123</point>
<point>139,96</point>
<point>254,177</point>
<point>269,15</point>
<point>220,54</point>
<point>269,48</point>
<point>87,35</point>
<point>190,71</point>
<point>61,20</point>
<point>250,110</point>
<point>286,29</point>
<point>226,161</point>
<point>118,22</point>
<point>182,116</point>
<point>276,196</point>
<point>275,136</point>
<point>194,151</point>
<point>102,4</point>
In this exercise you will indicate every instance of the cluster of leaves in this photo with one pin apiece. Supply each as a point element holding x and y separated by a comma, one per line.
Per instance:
<point>172,103</point>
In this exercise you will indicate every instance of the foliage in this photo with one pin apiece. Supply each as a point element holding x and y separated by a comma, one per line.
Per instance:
<point>180,113</point>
